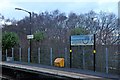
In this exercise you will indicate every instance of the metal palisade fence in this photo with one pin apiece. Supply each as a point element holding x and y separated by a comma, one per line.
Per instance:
<point>107,57</point>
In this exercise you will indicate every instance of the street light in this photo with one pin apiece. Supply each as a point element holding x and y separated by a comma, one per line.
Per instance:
<point>30,27</point>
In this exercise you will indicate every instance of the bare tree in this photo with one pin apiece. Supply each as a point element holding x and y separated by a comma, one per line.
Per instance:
<point>107,28</point>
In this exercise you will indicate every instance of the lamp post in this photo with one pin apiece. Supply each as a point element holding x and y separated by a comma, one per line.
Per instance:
<point>30,26</point>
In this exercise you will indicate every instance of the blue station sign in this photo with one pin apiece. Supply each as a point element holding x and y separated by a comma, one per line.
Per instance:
<point>82,40</point>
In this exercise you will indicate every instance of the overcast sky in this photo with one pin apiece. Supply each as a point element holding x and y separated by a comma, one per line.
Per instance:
<point>7,7</point>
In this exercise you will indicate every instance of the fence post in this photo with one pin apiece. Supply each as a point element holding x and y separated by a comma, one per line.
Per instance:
<point>12,54</point>
<point>6,54</point>
<point>20,54</point>
<point>83,58</point>
<point>0,55</point>
<point>66,57</point>
<point>106,59</point>
<point>38,55</point>
<point>51,56</point>
<point>28,55</point>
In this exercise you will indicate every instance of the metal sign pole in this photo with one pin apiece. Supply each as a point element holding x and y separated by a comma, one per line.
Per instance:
<point>70,54</point>
<point>94,52</point>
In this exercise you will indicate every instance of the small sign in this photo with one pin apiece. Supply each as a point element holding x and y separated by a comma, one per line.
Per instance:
<point>30,36</point>
<point>82,40</point>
